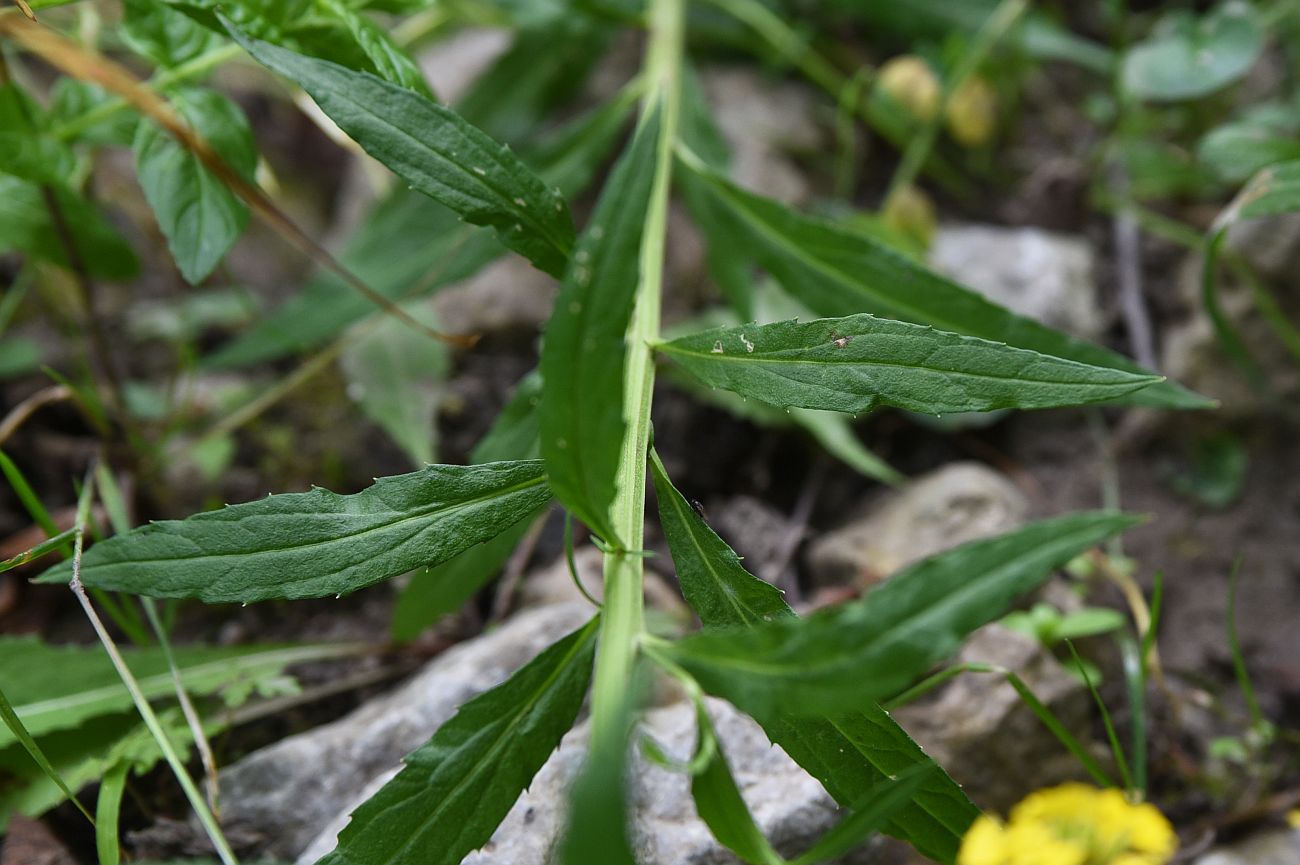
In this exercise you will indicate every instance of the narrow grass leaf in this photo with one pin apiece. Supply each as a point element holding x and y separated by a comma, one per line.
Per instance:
<point>436,151</point>
<point>199,215</point>
<point>837,272</point>
<point>108,809</point>
<point>318,543</point>
<point>47,546</point>
<point>844,657</point>
<point>581,416</point>
<point>455,790</point>
<point>855,363</point>
<point>62,687</point>
<point>19,733</point>
<point>852,753</point>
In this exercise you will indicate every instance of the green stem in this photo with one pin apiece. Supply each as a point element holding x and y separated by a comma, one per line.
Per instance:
<point>184,72</point>
<point>622,621</point>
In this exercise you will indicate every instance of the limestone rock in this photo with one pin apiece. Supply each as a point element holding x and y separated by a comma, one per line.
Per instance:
<point>957,503</point>
<point>290,791</point>
<point>762,121</point>
<point>980,731</point>
<point>1276,847</point>
<point>790,807</point>
<point>1044,276</point>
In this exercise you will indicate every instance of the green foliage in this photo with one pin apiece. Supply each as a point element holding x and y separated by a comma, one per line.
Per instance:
<point>454,790</point>
<point>836,272</point>
<point>855,363</point>
<point>581,416</point>
<point>915,619</point>
<point>1189,56</point>
<point>432,148</point>
<point>317,544</point>
<point>890,333</point>
<point>200,216</point>
<point>850,753</point>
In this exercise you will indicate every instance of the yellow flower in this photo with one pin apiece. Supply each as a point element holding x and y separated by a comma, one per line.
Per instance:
<point>1072,824</point>
<point>909,80</point>
<point>1293,818</point>
<point>984,844</point>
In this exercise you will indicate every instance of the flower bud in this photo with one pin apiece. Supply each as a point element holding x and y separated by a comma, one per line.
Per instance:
<point>910,81</point>
<point>972,112</point>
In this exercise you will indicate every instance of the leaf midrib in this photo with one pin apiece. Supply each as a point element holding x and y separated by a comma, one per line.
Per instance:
<point>499,744</point>
<point>422,513</point>
<point>1129,379</point>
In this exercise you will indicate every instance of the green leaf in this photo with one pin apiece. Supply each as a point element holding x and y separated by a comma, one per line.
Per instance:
<point>837,272</point>
<point>581,419</point>
<point>855,363</point>
<point>19,354</point>
<point>199,215</point>
<point>1187,57</point>
<point>712,579</point>
<point>32,155</point>
<point>851,754</point>
<point>867,817</point>
<point>1265,136</point>
<point>434,592</point>
<point>23,736</point>
<point>1272,192</point>
<point>316,544</point>
<point>108,808</point>
<point>835,433</point>
<point>410,244</point>
<point>390,62</point>
<point>844,657</point>
<point>454,790</point>
<point>723,809</point>
<point>398,376</point>
<point>157,31</point>
<point>436,151</point>
<point>26,226</point>
<point>61,687</point>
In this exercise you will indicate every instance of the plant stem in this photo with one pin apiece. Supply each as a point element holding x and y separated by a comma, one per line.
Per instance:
<point>622,621</point>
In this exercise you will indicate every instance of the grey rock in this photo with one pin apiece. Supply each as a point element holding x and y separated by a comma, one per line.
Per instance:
<point>289,791</point>
<point>790,807</point>
<point>764,120</point>
<point>507,293</point>
<point>957,503</point>
<point>452,65</point>
<point>1044,276</point>
<point>976,726</point>
<point>1277,847</point>
<point>754,529</point>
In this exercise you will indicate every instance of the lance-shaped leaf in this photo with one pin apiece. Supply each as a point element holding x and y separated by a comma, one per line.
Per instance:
<point>837,272</point>
<point>391,62</point>
<point>867,650</point>
<point>56,688</point>
<point>851,754</point>
<point>855,363</point>
<point>435,150</point>
<point>318,543</point>
<point>454,790</point>
<point>200,216</point>
<point>581,417</point>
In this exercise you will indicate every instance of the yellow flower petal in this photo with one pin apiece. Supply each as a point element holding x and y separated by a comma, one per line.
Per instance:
<point>984,843</point>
